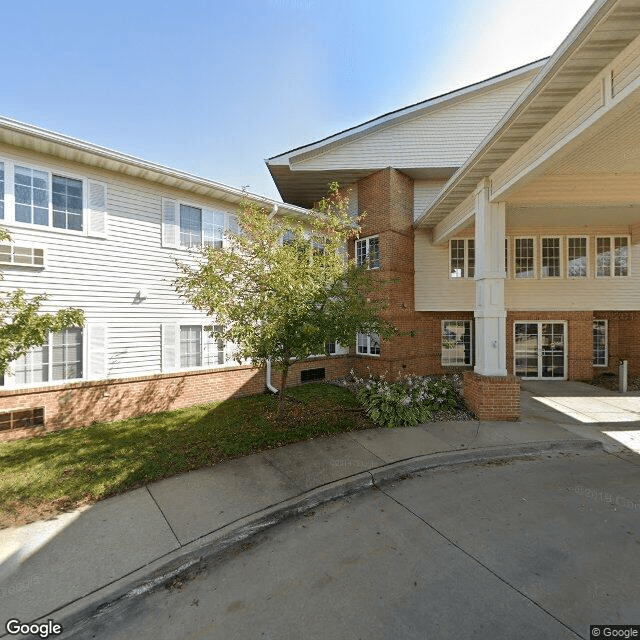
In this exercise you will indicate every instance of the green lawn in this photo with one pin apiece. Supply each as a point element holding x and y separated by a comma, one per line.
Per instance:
<point>44,475</point>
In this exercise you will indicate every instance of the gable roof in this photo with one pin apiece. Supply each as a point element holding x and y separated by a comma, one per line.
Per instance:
<point>601,34</point>
<point>360,150</point>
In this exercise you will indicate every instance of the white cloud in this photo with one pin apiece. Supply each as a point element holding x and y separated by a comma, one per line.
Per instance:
<point>498,35</point>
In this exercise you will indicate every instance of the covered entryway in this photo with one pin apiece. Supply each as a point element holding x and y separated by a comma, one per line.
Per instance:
<point>539,350</point>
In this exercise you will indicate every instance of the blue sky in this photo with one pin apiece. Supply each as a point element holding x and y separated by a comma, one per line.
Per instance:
<point>216,87</point>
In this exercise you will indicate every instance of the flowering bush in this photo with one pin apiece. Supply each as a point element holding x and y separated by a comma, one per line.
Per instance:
<point>407,402</point>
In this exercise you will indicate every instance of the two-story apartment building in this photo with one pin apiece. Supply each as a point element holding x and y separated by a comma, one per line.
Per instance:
<point>508,212</point>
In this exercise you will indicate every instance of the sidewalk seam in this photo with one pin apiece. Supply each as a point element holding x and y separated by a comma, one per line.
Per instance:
<point>180,545</point>
<point>484,566</point>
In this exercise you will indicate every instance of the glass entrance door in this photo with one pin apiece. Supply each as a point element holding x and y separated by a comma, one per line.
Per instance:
<point>539,350</point>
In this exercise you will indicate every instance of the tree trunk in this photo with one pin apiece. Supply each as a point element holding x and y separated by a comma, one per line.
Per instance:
<point>283,385</point>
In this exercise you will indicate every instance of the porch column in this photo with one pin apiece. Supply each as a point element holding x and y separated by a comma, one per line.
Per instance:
<point>490,313</point>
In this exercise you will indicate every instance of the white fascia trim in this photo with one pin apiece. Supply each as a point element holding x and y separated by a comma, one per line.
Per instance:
<point>103,152</point>
<point>553,64</point>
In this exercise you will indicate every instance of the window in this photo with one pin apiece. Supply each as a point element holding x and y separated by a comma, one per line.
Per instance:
<point>32,196</point>
<point>21,256</point>
<point>67,203</point>
<point>51,200</point>
<point>198,348</point>
<point>190,346</point>
<point>214,353</point>
<point>368,252</point>
<point>612,256</point>
<point>204,227</point>
<point>190,226</point>
<point>462,258</point>
<point>600,343</point>
<point>60,358</point>
<point>457,343</point>
<point>368,344</point>
<point>577,257</point>
<point>550,257</point>
<point>524,263</point>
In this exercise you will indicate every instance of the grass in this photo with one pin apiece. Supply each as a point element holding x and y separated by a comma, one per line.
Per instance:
<point>44,475</point>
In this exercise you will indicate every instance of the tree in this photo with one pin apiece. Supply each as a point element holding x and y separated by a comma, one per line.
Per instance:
<point>284,288</point>
<point>22,326</point>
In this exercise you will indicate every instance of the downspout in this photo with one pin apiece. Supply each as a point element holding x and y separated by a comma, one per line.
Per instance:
<point>269,383</point>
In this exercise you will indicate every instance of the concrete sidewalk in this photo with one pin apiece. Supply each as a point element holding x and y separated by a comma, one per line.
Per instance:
<point>67,567</point>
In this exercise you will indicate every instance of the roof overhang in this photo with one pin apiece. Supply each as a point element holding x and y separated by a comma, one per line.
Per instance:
<point>305,187</point>
<point>27,136</point>
<point>603,32</point>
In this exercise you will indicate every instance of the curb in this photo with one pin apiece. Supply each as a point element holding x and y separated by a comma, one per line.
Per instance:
<point>188,561</point>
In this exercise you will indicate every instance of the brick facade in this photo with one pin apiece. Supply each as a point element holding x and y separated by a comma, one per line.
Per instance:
<point>624,344</point>
<point>83,403</point>
<point>492,398</point>
<point>387,198</point>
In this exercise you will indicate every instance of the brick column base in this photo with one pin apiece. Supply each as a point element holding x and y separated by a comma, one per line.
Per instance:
<point>492,397</point>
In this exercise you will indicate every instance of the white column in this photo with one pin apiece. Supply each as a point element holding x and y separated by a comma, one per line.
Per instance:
<point>490,313</point>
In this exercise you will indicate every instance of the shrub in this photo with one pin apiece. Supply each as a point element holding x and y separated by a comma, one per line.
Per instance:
<point>407,402</point>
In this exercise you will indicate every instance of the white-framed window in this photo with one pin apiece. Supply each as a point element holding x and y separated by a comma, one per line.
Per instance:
<point>368,252</point>
<point>550,257</point>
<point>335,349</point>
<point>457,343</point>
<point>600,343</point>
<point>46,198</point>
<point>60,358</point>
<point>22,256</point>
<point>462,258</point>
<point>187,226</point>
<point>197,347</point>
<point>368,344</point>
<point>190,346</point>
<point>577,256</point>
<point>612,256</point>
<point>524,258</point>
<point>214,351</point>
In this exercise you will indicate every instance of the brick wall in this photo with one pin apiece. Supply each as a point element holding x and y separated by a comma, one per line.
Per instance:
<point>82,403</point>
<point>624,343</point>
<point>492,398</point>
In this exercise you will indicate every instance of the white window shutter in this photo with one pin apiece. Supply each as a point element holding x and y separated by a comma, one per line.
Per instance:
<point>97,351</point>
<point>97,210</point>
<point>170,224</point>
<point>170,346</point>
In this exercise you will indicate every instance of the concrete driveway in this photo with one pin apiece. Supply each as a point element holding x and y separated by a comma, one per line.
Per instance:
<point>530,549</point>
<point>586,410</point>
